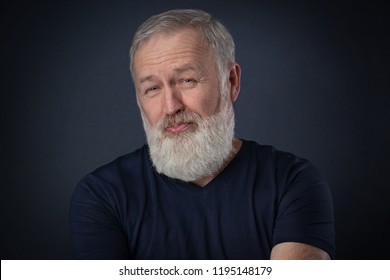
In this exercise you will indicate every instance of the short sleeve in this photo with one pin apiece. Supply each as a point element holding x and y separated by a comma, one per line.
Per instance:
<point>95,230</point>
<point>305,208</point>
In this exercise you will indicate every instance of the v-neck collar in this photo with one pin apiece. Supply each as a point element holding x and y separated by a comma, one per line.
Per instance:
<point>223,178</point>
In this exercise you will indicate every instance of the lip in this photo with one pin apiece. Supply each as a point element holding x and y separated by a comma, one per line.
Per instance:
<point>178,128</point>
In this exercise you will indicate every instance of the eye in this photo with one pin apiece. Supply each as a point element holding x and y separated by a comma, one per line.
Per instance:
<point>151,91</point>
<point>188,82</point>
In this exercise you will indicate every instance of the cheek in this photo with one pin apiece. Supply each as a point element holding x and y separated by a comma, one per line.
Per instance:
<point>151,113</point>
<point>209,104</point>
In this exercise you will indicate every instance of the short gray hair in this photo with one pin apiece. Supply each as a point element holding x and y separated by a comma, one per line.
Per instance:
<point>215,35</point>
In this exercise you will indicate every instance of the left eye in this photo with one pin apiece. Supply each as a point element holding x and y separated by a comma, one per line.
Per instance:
<point>188,81</point>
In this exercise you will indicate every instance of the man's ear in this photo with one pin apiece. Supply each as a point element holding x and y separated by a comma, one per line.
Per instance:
<point>234,81</point>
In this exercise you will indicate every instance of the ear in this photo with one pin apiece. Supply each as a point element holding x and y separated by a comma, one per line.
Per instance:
<point>234,80</point>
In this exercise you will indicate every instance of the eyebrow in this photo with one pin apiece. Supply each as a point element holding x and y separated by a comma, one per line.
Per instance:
<point>148,79</point>
<point>184,68</point>
<point>179,70</point>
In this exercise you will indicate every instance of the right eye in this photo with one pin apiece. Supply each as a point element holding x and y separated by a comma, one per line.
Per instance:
<point>151,90</point>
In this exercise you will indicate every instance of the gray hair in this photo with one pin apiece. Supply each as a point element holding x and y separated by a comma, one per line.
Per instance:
<point>215,35</point>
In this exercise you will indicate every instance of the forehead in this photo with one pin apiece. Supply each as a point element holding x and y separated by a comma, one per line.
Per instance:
<point>183,46</point>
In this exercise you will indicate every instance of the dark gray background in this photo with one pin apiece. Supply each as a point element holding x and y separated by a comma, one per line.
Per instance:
<point>315,82</point>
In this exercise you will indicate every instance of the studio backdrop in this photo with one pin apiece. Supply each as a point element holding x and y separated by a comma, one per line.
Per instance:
<point>315,82</point>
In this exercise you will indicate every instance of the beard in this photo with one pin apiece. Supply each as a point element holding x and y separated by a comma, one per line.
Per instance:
<point>197,152</point>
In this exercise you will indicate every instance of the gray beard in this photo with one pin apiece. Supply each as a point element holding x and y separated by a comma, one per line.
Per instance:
<point>196,153</point>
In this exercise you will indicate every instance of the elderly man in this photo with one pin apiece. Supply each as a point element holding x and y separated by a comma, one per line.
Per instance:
<point>195,191</point>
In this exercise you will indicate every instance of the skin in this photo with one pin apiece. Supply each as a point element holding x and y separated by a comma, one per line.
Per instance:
<point>175,72</point>
<point>297,251</point>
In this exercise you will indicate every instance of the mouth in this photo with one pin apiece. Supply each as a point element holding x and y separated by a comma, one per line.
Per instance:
<point>177,128</point>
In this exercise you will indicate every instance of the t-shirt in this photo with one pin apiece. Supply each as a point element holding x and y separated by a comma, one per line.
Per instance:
<point>126,210</point>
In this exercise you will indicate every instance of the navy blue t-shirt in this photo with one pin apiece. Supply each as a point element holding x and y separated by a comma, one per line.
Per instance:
<point>126,210</point>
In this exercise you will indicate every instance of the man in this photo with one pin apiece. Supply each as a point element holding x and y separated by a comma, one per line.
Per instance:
<point>195,191</point>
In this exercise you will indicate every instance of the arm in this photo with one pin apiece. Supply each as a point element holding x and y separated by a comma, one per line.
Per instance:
<point>297,251</point>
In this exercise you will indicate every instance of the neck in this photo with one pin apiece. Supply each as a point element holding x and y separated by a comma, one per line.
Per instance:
<point>237,143</point>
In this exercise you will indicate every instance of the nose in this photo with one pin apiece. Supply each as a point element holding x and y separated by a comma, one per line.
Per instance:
<point>173,102</point>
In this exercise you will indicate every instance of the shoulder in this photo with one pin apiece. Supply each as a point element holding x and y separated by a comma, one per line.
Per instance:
<point>271,156</point>
<point>268,152</point>
<point>284,167</point>
<point>128,164</point>
<point>114,177</point>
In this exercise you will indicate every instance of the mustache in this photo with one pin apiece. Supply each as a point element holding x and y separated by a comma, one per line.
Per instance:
<point>179,118</point>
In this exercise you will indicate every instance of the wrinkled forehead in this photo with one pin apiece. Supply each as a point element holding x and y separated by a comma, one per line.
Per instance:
<point>169,33</point>
<point>165,32</point>
<point>163,47</point>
